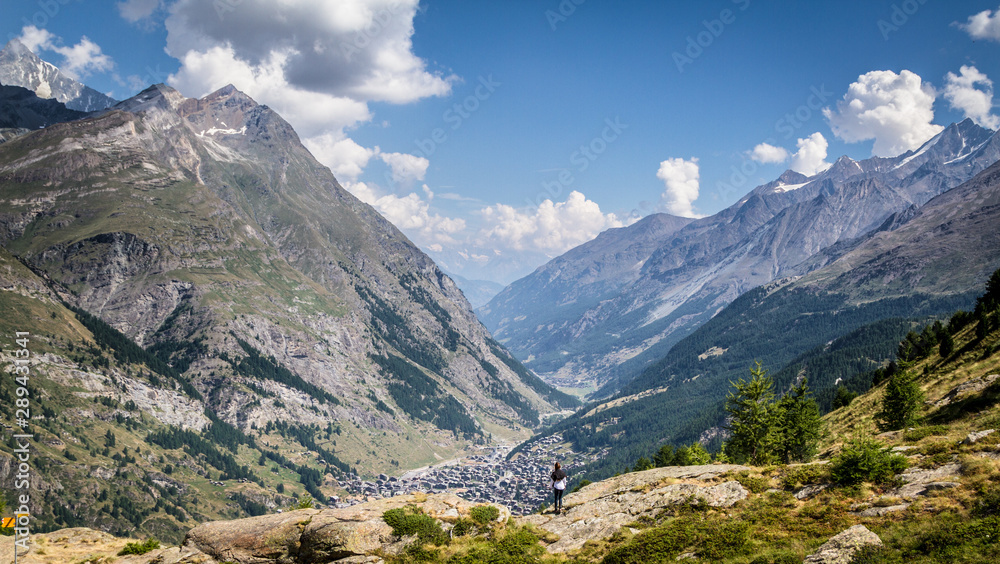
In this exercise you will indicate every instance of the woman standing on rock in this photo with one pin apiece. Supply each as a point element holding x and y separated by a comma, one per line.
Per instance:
<point>558,486</point>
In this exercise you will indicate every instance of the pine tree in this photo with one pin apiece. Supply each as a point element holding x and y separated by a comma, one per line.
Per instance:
<point>982,324</point>
<point>947,346</point>
<point>843,397</point>
<point>901,403</point>
<point>752,418</point>
<point>798,426</point>
<point>664,456</point>
<point>697,455</point>
<point>642,464</point>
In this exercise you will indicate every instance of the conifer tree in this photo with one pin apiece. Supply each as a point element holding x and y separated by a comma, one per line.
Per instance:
<point>947,346</point>
<point>752,418</point>
<point>798,422</point>
<point>843,397</point>
<point>642,464</point>
<point>901,402</point>
<point>664,456</point>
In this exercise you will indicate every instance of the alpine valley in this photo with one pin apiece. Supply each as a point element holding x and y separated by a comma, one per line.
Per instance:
<point>206,303</point>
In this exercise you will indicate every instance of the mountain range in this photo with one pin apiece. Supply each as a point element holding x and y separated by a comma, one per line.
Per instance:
<point>834,325</point>
<point>602,313</point>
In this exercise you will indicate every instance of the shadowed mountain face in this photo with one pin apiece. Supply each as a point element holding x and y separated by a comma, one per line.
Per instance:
<point>21,109</point>
<point>605,332</point>
<point>205,232</point>
<point>20,67</point>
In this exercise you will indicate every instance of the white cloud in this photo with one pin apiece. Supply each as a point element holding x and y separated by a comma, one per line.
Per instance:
<point>962,93</point>
<point>345,158</point>
<point>769,154</point>
<point>810,159</point>
<point>893,109</point>
<point>552,228</point>
<point>682,184</point>
<point>136,10</point>
<point>411,214</point>
<point>35,39</point>
<point>984,25</point>
<point>79,60</point>
<point>406,168</point>
<point>359,49</point>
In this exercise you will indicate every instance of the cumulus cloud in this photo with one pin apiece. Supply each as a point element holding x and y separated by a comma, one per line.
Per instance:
<point>984,25</point>
<point>405,168</point>
<point>972,92</point>
<point>893,109</point>
<point>552,228</point>
<point>766,153</point>
<point>359,49</point>
<point>79,60</point>
<point>810,159</point>
<point>682,184</point>
<point>137,10</point>
<point>343,155</point>
<point>410,213</point>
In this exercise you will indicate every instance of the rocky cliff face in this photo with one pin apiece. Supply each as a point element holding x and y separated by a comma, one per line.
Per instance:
<point>683,276</point>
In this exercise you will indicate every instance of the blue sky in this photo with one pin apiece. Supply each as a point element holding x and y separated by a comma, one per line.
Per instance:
<point>499,134</point>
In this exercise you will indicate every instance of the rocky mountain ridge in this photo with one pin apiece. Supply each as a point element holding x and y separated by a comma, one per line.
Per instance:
<point>609,335</point>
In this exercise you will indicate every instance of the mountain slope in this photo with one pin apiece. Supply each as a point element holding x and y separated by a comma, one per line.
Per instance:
<point>205,232</point>
<point>931,265</point>
<point>20,67</point>
<point>689,275</point>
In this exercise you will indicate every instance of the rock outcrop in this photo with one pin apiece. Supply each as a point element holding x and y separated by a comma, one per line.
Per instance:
<point>599,510</point>
<point>308,536</point>
<point>973,386</point>
<point>841,548</point>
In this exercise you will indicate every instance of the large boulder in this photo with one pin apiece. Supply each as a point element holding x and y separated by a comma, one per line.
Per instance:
<point>308,536</point>
<point>841,548</point>
<point>600,509</point>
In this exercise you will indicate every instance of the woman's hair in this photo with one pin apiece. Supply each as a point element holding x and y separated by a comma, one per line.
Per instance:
<point>557,466</point>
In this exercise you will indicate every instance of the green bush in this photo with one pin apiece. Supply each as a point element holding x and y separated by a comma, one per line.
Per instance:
<point>865,460</point>
<point>582,484</point>
<point>484,514</point>
<point>726,539</point>
<point>516,546</point>
<point>464,527</point>
<point>988,503</point>
<point>412,521</point>
<point>782,558</point>
<point>139,547</point>
<point>661,544</point>
<point>756,484</point>
<point>875,555</point>
<point>801,475</point>
<point>914,435</point>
